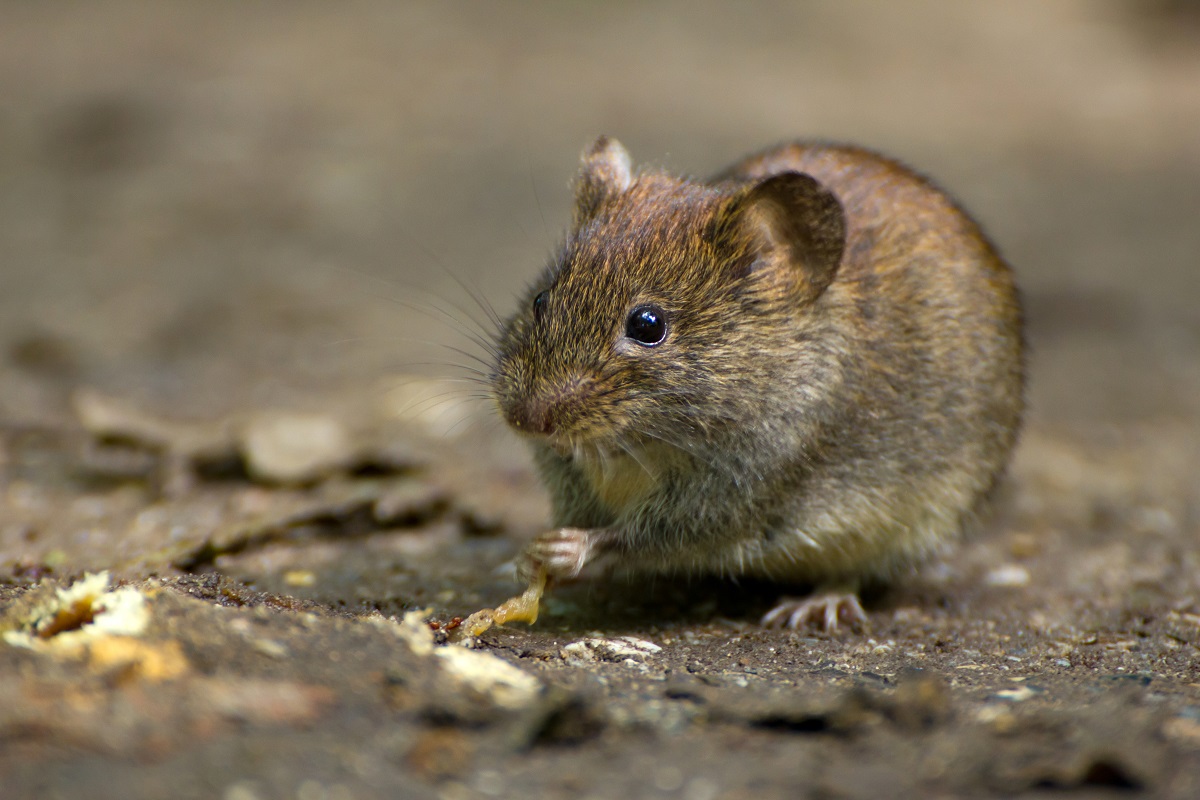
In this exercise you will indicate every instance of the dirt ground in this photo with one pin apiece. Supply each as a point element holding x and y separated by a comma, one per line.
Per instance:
<point>239,245</point>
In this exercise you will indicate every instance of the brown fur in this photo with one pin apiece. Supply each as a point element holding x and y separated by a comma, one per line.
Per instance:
<point>839,389</point>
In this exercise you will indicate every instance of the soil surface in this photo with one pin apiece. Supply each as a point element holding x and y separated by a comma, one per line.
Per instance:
<point>241,248</point>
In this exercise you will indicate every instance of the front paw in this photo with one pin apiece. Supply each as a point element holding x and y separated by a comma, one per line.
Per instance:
<point>561,554</point>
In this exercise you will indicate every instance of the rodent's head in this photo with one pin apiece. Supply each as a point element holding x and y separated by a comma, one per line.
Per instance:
<point>667,306</point>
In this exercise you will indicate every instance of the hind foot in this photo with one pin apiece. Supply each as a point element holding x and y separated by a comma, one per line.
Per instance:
<point>825,611</point>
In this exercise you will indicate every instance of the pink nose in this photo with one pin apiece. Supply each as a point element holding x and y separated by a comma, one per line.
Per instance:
<point>532,417</point>
<point>549,410</point>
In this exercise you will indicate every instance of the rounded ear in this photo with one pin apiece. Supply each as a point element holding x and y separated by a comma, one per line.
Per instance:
<point>606,171</point>
<point>797,225</point>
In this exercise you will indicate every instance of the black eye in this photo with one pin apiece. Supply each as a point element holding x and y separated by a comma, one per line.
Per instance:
<point>647,325</point>
<point>539,304</point>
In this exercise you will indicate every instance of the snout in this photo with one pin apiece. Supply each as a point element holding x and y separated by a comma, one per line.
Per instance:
<point>532,416</point>
<point>549,412</point>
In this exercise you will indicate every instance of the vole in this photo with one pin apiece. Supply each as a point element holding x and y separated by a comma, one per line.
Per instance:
<point>807,369</point>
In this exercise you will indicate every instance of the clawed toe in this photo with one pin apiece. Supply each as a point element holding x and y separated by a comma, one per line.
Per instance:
<point>826,612</point>
<point>561,554</point>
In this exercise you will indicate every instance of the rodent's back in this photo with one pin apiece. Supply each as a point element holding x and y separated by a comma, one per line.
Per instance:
<point>934,369</point>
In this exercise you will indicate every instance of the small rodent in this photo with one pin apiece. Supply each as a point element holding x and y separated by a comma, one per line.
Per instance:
<point>808,369</point>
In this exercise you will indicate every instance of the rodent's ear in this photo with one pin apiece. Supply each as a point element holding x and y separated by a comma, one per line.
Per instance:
<point>606,171</point>
<point>800,221</point>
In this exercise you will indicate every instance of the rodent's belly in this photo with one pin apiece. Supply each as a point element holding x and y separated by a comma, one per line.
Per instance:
<point>816,531</point>
<point>618,481</point>
<point>859,534</point>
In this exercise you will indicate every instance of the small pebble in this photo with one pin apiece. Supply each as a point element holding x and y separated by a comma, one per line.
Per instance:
<point>299,577</point>
<point>1007,576</point>
<point>619,649</point>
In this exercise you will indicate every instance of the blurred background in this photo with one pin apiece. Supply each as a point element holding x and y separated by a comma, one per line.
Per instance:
<point>223,212</point>
<point>213,206</point>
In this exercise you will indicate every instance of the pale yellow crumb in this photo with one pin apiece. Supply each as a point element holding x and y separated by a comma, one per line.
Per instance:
<point>522,608</point>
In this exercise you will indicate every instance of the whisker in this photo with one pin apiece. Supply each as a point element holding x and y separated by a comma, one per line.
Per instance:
<point>469,375</point>
<point>686,449</point>
<point>457,319</point>
<point>445,268</point>
<point>538,202</point>
<point>481,300</point>
<point>480,337</point>
<point>428,403</point>
<point>632,454</point>
<point>459,325</point>
<point>473,356</point>
<point>466,419</point>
